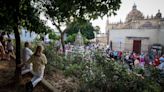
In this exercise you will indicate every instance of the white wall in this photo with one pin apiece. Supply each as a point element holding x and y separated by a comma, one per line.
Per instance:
<point>161,37</point>
<point>117,36</point>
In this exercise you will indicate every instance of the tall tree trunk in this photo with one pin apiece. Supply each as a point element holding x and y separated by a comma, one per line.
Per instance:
<point>62,42</point>
<point>18,57</point>
<point>18,45</point>
<point>62,36</point>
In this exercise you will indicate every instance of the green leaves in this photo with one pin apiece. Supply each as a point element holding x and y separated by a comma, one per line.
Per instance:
<point>71,38</point>
<point>63,10</point>
<point>53,36</point>
<point>84,26</point>
<point>28,16</point>
<point>100,74</point>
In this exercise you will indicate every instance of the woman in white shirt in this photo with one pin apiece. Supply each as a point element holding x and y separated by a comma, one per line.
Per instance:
<point>38,60</point>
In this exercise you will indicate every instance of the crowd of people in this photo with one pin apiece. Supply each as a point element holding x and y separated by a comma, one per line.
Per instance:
<point>6,47</point>
<point>137,60</point>
<point>35,62</point>
<point>31,62</point>
<point>132,59</point>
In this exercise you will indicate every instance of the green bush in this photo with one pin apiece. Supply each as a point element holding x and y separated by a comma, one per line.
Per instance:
<point>101,74</point>
<point>109,76</point>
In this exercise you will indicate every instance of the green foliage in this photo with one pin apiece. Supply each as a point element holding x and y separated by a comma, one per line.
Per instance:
<point>62,12</point>
<point>84,26</point>
<point>86,41</point>
<point>109,76</point>
<point>18,14</point>
<point>74,70</point>
<point>53,58</point>
<point>53,36</point>
<point>24,12</point>
<point>101,74</point>
<point>71,38</point>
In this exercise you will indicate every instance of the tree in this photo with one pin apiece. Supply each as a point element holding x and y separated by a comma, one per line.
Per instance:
<point>61,12</point>
<point>17,14</point>
<point>84,26</point>
<point>53,36</point>
<point>71,38</point>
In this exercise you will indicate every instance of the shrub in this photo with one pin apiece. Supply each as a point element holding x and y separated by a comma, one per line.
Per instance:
<point>100,74</point>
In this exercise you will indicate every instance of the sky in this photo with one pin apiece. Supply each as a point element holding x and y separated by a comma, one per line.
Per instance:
<point>147,7</point>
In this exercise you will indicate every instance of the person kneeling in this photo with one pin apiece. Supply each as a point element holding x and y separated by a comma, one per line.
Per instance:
<point>38,60</point>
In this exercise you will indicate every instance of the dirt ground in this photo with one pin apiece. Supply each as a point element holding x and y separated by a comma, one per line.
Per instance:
<point>56,79</point>
<point>6,79</point>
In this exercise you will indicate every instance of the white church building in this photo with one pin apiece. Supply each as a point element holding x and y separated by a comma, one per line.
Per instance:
<point>137,33</point>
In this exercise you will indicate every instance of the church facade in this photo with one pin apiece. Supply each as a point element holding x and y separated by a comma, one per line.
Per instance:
<point>137,33</point>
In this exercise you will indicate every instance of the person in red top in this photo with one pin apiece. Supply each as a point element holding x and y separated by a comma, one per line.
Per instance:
<point>120,54</point>
<point>156,61</point>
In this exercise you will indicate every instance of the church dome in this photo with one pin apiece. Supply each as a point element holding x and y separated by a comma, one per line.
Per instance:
<point>134,14</point>
<point>158,15</point>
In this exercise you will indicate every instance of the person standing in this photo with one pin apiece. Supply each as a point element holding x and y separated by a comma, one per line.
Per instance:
<point>2,52</point>
<point>136,62</point>
<point>115,54</point>
<point>2,39</point>
<point>142,60</point>
<point>10,46</point>
<point>156,61</point>
<point>151,56</point>
<point>146,59</point>
<point>10,49</point>
<point>57,45</point>
<point>39,60</point>
<point>161,59</point>
<point>161,66</point>
<point>27,53</point>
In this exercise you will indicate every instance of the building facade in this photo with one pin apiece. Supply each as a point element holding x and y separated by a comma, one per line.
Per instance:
<point>137,33</point>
